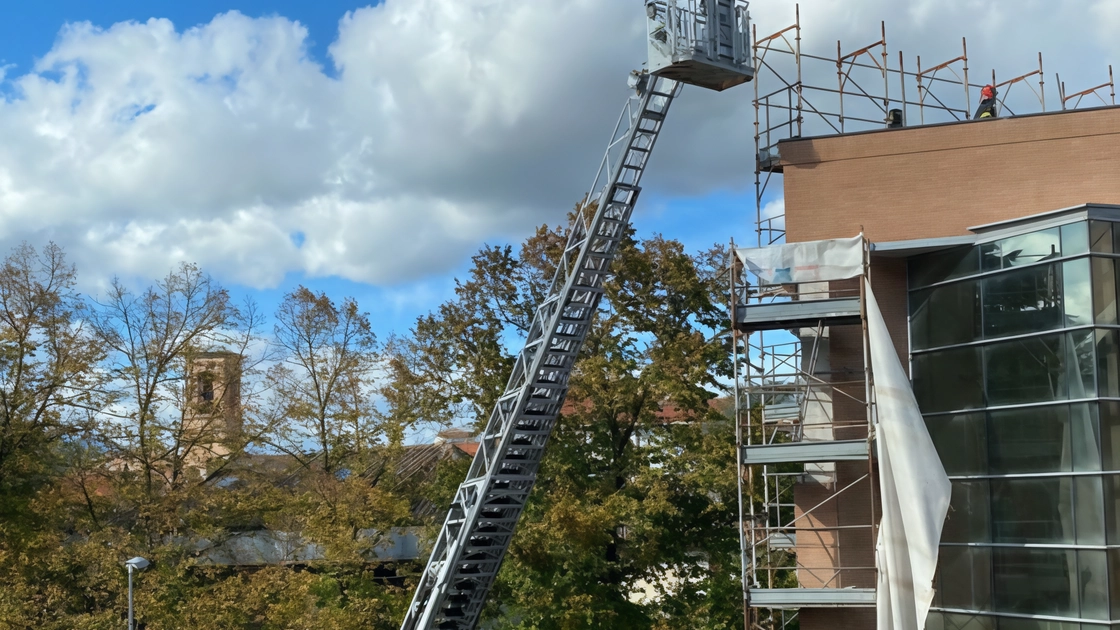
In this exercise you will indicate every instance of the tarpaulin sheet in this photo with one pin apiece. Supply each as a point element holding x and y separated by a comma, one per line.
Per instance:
<point>811,261</point>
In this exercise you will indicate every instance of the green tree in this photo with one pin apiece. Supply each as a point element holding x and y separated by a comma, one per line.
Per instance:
<point>49,381</point>
<point>627,500</point>
<point>322,383</point>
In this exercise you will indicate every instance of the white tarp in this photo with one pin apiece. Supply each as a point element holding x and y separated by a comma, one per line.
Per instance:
<point>915,489</point>
<point>812,261</point>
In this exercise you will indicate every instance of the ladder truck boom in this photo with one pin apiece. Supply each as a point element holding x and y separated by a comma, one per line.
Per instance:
<point>702,42</point>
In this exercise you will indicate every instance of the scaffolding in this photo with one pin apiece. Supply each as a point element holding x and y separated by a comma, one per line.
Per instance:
<point>798,94</point>
<point>804,434</point>
<point>807,484</point>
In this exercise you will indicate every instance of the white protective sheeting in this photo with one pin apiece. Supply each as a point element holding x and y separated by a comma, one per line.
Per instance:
<point>915,489</point>
<point>812,261</point>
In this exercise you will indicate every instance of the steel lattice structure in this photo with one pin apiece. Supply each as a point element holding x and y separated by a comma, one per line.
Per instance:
<point>478,529</point>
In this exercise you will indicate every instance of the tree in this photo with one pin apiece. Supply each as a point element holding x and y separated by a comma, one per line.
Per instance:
<point>153,339</point>
<point>323,381</point>
<point>49,382</point>
<point>624,496</point>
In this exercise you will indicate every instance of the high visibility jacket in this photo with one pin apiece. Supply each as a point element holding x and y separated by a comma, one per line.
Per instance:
<point>987,109</point>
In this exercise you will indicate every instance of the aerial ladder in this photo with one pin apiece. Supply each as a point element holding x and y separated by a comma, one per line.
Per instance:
<point>698,42</point>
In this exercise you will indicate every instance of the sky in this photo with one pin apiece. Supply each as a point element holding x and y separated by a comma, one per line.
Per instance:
<point>368,151</point>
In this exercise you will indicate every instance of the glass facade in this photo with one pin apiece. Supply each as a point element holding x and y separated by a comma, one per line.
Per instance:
<point>1015,358</point>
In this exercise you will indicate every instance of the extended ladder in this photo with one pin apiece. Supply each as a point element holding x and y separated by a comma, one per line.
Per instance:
<point>699,42</point>
<point>479,527</point>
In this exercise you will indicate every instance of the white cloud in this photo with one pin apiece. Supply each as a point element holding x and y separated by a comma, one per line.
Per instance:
<point>448,122</point>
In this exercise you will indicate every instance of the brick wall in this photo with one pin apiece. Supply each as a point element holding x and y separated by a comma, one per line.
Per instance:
<point>939,180</point>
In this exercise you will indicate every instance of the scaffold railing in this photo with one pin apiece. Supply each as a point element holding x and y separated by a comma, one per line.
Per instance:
<point>804,436</point>
<point>801,94</point>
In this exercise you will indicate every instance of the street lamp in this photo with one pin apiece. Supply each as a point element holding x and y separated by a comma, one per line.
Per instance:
<point>135,564</point>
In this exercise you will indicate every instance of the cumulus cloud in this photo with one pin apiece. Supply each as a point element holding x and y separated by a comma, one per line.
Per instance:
<point>442,123</point>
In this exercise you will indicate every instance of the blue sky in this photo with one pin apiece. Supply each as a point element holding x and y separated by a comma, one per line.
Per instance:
<point>370,155</point>
<point>30,30</point>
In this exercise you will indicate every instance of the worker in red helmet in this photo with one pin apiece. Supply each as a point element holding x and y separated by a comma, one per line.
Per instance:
<point>987,108</point>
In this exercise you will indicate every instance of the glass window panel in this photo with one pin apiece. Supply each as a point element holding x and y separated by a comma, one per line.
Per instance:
<point>945,315</point>
<point>1025,371</point>
<point>1079,364</point>
<point>1024,249</point>
<point>1104,290</point>
<point>1077,292</point>
<point>948,380</point>
<point>1014,623</point>
<point>966,577</point>
<point>961,442</point>
<point>1022,301</point>
<point>1108,364</point>
<point>1112,508</point>
<point>969,518</point>
<point>1089,496</point>
<point>1035,581</point>
<point>941,266</point>
<point>1114,582</point>
<point>1100,236</point>
<point>1092,581</point>
<point>1085,439</point>
<point>950,621</point>
<point>1030,440</point>
<point>1038,510</point>
<point>1110,434</point>
<point>1075,238</point>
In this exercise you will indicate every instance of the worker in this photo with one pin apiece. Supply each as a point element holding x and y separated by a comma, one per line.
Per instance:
<point>987,108</point>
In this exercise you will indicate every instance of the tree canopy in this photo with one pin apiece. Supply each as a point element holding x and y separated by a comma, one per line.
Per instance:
<point>118,438</point>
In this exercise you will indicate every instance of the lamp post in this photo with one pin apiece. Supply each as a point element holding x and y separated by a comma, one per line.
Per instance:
<point>135,564</point>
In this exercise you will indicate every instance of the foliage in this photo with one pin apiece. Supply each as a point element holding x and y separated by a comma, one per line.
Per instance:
<point>113,444</point>
<point>627,501</point>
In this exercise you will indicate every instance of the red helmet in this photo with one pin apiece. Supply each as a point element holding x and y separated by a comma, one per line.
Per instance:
<point>987,92</point>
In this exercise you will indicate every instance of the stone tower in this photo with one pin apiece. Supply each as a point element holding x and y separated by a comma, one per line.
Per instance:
<point>212,409</point>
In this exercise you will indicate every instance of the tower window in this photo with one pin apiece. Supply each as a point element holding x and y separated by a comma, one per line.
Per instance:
<point>206,387</point>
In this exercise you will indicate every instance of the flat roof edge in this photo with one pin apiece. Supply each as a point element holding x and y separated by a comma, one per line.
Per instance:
<point>919,245</point>
<point>948,123</point>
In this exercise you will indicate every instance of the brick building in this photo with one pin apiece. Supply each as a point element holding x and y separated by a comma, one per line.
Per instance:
<point>992,255</point>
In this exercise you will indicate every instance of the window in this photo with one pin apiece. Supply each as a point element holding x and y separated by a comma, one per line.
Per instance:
<point>1110,435</point>
<point>1023,301</point>
<point>966,577</point>
<point>1104,290</point>
<point>1092,581</point>
<point>1108,364</point>
<point>961,442</point>
<point>1075,238</point>
<point>1033,510</point>
<point>1112,508</point>
<point>1100,236</point>
<point>1089,506</point>
<point>941,266</point>
<point>1030,440</point>
<point>1023,249</point>
<point>206,387</point>
<point>969,518</point>
<point>1077,292</point>
<point>950,621</point>
<point>946,315</point>
<point>948,380</point>
<point>1085,438</point>
<point>1035,581</point>
<point>1025,370</point>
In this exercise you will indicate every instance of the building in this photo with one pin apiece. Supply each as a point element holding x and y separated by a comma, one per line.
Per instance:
<point>993,253</point>
<point>212,409</point>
